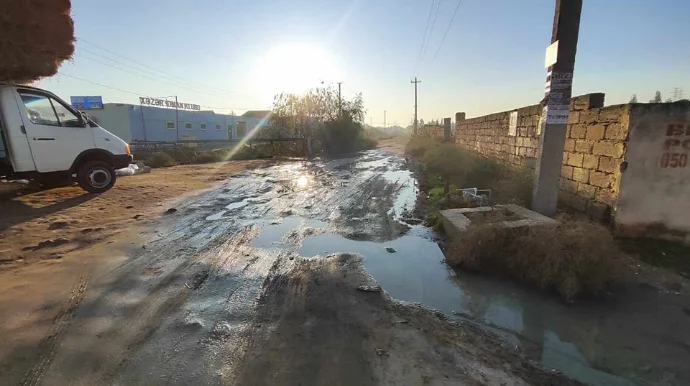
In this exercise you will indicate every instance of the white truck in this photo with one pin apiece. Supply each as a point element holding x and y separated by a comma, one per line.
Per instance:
<point>45,139</point>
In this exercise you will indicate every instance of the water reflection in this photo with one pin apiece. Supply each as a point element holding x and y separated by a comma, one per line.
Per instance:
<point>567,339</point>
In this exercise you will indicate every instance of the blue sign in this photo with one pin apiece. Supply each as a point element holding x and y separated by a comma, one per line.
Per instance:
<point>86,102</point>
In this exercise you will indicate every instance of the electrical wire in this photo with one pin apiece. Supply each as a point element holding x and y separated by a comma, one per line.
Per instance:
<point>169,75</point>
<point>428,19</point>
<point>142,95</point>
<point>150,78</point>
<point>447,29</point>
<point>431,30</point>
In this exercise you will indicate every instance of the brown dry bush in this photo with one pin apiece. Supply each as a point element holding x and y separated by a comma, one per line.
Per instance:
<point>36,37</point>
<point>574,258</point>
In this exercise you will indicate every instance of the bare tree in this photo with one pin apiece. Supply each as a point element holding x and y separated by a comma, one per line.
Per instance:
<point>633,99</point>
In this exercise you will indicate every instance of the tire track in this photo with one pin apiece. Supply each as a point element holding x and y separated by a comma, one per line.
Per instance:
<point>50,344</point>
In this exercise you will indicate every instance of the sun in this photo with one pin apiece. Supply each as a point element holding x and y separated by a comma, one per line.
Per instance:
<point>294,68</point>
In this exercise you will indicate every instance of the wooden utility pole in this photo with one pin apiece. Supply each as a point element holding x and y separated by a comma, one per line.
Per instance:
<point>560,63</point>
<point>415,81</point>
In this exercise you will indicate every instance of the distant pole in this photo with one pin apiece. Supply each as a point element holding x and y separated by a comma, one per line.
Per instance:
<point>415,81</point>
<point>559,83</point>
<point>384,119</point>
<point>340,100</point>
<point>143,122</point>
<point>177,121</point>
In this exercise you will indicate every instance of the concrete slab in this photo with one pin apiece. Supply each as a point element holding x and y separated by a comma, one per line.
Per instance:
<point>455,221</point>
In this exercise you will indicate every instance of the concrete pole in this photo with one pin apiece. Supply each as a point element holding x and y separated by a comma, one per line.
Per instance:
<point>415,81</point>
<point>566,26</point>
<point>177,121</point>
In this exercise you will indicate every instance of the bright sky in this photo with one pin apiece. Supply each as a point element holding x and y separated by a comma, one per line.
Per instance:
<point>237,54</point>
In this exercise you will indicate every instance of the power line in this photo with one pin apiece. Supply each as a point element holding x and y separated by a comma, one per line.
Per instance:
<point>150,67</point>
<point>150,78</point>
<point>447,29</point>
<point>428,19</point>
<point>100,84</point>
<point>142,95</point>
<point>431,30</point>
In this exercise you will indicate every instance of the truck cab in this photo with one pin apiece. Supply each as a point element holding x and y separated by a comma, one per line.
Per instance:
<point>45,139</point>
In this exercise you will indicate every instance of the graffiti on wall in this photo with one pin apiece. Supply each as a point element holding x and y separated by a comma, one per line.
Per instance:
<point>676,146</point>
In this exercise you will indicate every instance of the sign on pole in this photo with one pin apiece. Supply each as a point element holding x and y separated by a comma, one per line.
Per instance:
<point>551,56</point>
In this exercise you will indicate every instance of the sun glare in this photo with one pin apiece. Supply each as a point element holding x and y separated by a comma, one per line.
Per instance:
<point>294,68</point>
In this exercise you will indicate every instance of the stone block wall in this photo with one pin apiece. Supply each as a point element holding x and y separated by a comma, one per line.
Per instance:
<point>596,135</point>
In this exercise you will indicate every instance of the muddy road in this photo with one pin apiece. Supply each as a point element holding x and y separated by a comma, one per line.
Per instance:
<point>304,273</point>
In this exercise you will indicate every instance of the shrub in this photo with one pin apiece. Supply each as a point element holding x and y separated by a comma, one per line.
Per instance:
<point>160,160</point>
<point>367,143</point>
<point>465,169</point>
<point>419,145</point>
<point>573,258</point>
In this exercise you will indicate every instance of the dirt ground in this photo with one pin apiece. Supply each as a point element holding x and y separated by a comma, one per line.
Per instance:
<point>45,225</point>
<point>315,326</point>
<point>51,240</point>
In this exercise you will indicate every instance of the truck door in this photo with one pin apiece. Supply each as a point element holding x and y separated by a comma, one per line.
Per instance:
<point>55,132</point>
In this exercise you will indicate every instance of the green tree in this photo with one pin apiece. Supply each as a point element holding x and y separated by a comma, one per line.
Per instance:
<point>657,98</point>
<point>633,99</point>
<point>320,114</point>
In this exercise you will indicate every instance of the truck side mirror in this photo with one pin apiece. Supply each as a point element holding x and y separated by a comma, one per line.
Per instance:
<point>84,119</point>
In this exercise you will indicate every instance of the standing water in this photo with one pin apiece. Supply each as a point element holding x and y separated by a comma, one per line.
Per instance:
<point>358,205</point>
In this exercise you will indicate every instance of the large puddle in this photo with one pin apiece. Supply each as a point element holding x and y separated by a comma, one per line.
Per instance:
<point>623,341</point>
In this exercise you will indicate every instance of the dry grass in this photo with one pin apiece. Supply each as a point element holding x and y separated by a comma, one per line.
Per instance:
<point>465,169</point>
<point>574,258</point>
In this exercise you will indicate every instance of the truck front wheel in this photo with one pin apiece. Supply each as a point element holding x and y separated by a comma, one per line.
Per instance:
<point>96,176</point>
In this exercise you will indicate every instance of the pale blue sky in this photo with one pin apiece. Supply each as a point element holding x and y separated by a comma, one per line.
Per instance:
<point>491,60</point>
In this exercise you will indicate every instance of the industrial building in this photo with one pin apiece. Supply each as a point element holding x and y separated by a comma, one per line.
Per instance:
<point>146,123</point>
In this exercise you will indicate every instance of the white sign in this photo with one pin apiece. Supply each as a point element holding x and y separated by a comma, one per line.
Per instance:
<point>167,103</point>
<point>556,114</point>
<point>551,56</point>
<point>512,124</point>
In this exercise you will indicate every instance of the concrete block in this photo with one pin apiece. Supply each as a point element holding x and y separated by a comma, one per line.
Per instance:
<point>459,117</point>
<point>613,113</point>
<point>586,190</point>
<point>573,117</point>
<point>605,196</point>
<point>574,159</point>
<point>590,161</point>
<point>587,101</point>
<point>531,152</point>
<point>609,148</point>
<point>567,171</point>
<point>581,175</point>
<point>455,223</point>
<point>578,131</point>
<point>530,162</point>
<point>616,131</point>
<point>608,164</point>
<point>602,180</point>
<point>567,185</point>
<point>569,145</point>
<point>583,146</point>
<point>589,116</point>
<point>595,132</point>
